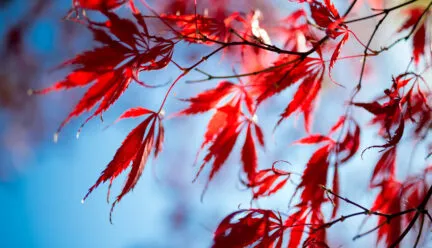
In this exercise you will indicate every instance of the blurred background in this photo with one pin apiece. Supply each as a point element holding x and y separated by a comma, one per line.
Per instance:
<point>42,182</point>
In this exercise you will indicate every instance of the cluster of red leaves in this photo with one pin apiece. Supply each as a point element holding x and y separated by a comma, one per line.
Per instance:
<point>327,17</point>
<point>405,101</point>
<point>295,29</point>
<point>201,29</point>
<point>315,177</point>
<point>297,223</point>
<point>127,49</point>
<point>231,102</point>
<point>389,201</point>
<point>207,30</point>
<point>135,149</point>
<point>250,228</point>
<point>293,69</point>
<point>100,5</point>
<point>268,181</point>
<point>395,197</point>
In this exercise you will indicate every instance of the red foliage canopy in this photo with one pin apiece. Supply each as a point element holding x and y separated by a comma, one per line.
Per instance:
<point>273,59</point>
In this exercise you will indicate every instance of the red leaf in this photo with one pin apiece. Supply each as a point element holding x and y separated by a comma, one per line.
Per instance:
<point>389,201</point>
<point>225,125</point>
<point>375,107</point>
<point>134,112</point>
<point>338,125</point>
<point>135,149</point>
<point>397,136</point>
<point>385,167</point>
<point>414,14</point>
<point>249,156</point>
<point>337,51</point>
<point>296,222</point>
<point>350,144</point>
<point>324,16</point>
<point>105,90</point>
<point>312,242</point>
<point>309,102</point>
<point>268,182</point>
<point>208,100</point>
<point>138,164</point>
<point>289,72</point>
<point>221,149</point>
<point>419,42</point>
<point>159,140</point>
<point>259,134</point>
<point>124,155</point>
<point>304,98</point>
<point>336,191</point>
<point>314,139</point>
<point>299,98</point>
<point>330,6</point>
<point>314,176</point>
<point>215,125</point>
<point>98,4</point>
<point>221,135</point>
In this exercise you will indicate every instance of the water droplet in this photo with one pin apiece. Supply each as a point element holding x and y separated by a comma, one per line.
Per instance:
<point>255,118</point>
<point>82,201</point>
<point>55,138</point>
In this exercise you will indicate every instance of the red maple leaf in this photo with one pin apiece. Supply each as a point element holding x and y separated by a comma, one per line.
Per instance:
<point>226,125</point>
<point>295,30</point>
<point>134,152</point>
<point>388,201</point>
<point>290,70</point>
<point>323,14</point>
<point>296,223</point>
<point>126,50</point>
<point>402,105</point>
<point>268,181</point>
<point>338,151</point>
<point>385,167</point>
<point>252,227</point>
<point>302,219</point>
<point>314,176</point>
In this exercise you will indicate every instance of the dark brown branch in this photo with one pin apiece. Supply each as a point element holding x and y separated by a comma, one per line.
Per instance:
<point>420,231</point>
<point>428,215</point>
<point>302,55</point>
<point>420,210</point>
<point>370,231</point>
<point>359,84</point>
<point>345,199</point>
<point>383,12</point>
